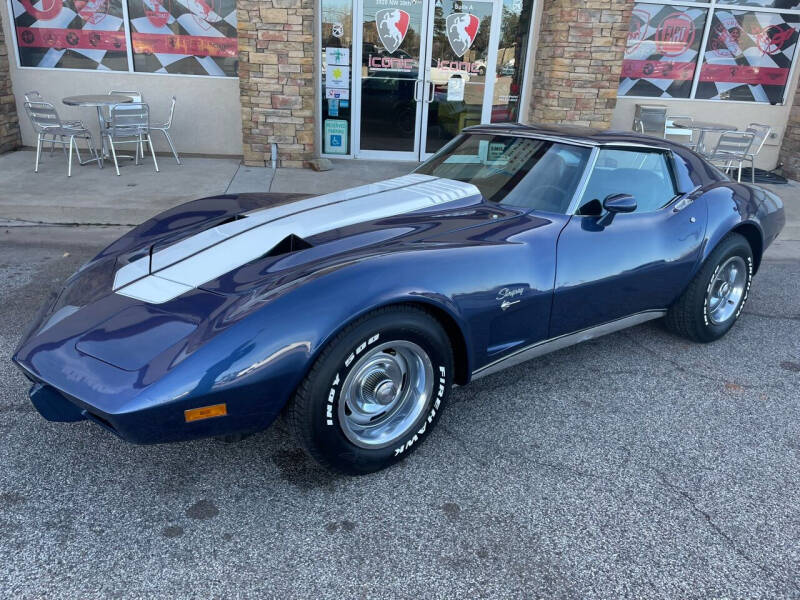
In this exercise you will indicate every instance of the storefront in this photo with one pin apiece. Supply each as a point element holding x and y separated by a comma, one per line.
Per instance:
<point>421,72</point>
<point>397,79</point>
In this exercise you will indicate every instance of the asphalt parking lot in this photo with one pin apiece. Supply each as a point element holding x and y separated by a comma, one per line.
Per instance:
<point>637,465</point>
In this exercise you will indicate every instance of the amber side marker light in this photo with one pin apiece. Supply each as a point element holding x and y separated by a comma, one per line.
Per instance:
<point>205,412</point>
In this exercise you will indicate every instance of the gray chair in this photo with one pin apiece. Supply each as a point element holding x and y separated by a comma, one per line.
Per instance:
<point>681,126</point>
<point>49,128</point>
<point>164,128</point>
<point>732,147</point>
<point>34,96</point>
<point>136,97</point>
<point>651,119</point>
<point>760,136</point>
<point>129,124</point>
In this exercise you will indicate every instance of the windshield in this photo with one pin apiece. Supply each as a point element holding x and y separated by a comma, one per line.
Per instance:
<point>524,172</point>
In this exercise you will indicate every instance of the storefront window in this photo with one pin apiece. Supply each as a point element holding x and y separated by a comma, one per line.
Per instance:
<point>195,37</point>
<point>337,51</point>
<point>190,37</point>
<point>746,54</point>
<point>71,34</point>
<point>661,51</point>
<point>515,28</point>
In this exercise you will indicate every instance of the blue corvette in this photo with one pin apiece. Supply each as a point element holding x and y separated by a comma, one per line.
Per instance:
<point>357,311</point>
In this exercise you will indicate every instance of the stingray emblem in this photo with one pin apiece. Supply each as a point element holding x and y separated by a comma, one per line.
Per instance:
<point>392,27</point>
<point>462,29</point>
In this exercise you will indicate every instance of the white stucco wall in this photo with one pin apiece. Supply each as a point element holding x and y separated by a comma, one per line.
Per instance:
<point>207,116</point>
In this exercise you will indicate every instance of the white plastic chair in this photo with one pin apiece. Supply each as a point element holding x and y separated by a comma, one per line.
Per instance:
<point>47,124</point>
<point>164,128</point>
<point>129,124</point>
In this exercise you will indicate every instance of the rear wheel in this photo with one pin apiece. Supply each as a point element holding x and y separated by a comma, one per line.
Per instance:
<point>375,392</point>
<point>714,300</point>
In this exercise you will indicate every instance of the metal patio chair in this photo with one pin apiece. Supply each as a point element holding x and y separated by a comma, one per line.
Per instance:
<point>129,124</point>
<point>681,126</point>
<point>34,96</point>
<point>651,119</point>
<point>164,128</point>
<point>137,97</point>
<point>47,124</point>
<point>760,135</point>
<point>732,147</point>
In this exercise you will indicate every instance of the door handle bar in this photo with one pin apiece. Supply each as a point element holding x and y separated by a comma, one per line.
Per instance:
<point>416,89</point>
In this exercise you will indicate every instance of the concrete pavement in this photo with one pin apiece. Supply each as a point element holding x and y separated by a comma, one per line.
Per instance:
<point>95,196</point>
<point>633,466</point>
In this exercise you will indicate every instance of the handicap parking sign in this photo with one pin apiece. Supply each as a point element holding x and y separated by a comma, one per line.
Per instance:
<point>335,141</point>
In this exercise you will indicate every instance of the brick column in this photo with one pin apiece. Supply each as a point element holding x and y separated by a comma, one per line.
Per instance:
<point>9,124</point>
<point>276,80</point>
<point>790,148</point>
<point>578,61</point>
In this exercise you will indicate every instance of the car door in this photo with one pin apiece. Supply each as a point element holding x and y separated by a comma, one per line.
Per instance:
<point>639,261</point>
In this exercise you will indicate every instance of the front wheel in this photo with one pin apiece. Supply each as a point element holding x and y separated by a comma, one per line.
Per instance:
<point>375,392</point>
<point>716,296</point>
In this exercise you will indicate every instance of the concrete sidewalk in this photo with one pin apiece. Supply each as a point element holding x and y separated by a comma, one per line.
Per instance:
<point>98,197</point>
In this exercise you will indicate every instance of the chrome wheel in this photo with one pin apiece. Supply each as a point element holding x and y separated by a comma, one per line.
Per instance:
<point>385,394</point>
<point>726,291</point>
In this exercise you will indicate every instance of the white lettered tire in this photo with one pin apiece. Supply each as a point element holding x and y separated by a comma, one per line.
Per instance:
<point>375,392</point>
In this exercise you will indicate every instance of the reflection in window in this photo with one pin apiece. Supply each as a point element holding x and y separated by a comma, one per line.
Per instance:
<point>190,37</point>
<point>337,42</point>
<point>748,56</point>
<point>661,51</point>
<point>515,28</point>
<point>71,35</point>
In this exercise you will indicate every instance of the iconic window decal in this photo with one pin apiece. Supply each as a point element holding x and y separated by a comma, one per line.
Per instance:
<point>746,54</point>
<point>392,25</point>
<point>462,28</point>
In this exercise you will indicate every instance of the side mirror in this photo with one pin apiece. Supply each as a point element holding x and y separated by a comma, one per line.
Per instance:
<point>616,203</point>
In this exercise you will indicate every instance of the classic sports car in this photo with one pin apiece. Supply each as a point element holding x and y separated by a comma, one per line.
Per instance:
<point>358,310</point>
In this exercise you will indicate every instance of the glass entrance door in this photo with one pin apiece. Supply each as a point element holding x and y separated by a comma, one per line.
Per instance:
<point>392,35</point>
<point>460,68</point>
<point>427,70</point>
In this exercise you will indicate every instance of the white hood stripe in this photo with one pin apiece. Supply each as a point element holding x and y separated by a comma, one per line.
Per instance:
<point>205,256</point>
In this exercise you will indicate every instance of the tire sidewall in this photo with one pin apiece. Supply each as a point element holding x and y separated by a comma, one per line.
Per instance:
<point>735,246</point>
<point>327,433</point>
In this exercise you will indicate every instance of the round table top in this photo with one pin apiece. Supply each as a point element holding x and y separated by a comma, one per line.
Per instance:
<point>706,126</point>
<point>96,100</point>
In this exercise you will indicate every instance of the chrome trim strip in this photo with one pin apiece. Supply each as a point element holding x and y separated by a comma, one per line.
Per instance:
<point>584,182</point>
<point>569,339</point>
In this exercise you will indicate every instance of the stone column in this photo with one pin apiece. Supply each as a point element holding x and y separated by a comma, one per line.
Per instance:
<point>276,80</point>
<point>9,123</point>
<point>578,61</point>
<point>790,148</point>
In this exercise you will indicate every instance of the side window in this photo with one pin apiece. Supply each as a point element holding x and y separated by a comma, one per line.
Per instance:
<point>644,175</point>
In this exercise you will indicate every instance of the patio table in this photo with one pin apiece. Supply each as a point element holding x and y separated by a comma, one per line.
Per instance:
<point>98,101</point>
<point>705,127</point>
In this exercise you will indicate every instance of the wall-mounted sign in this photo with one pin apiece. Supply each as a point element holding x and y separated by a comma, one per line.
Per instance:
<point>335,136</point>
<point>334,94</point>
<point>337,56</point>
<point>337,77</point>
<point>333,108</point>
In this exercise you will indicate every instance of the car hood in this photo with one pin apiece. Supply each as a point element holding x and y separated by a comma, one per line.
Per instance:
<point>168,269</point>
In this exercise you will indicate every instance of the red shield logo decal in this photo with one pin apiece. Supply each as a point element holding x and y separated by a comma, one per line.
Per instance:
<point>462,29</point>
<point>675,35</point>
<point>156,12</point>
<point>92,11</point>
<point>392,27</point>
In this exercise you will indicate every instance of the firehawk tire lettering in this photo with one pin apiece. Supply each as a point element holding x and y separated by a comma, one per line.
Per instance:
<point>431,415</point>
<point>337,380</point>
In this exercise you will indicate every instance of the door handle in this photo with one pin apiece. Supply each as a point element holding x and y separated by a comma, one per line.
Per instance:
<point>416,89</point>
<point>432,90</point>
